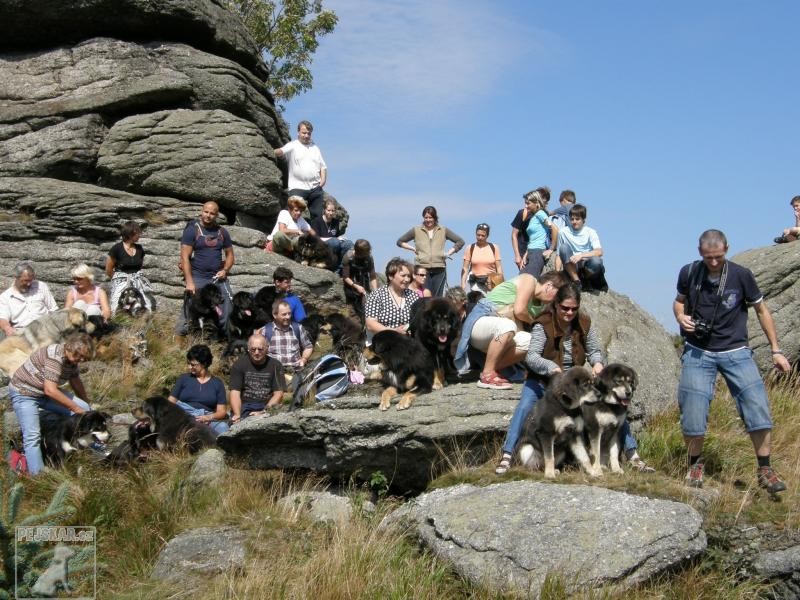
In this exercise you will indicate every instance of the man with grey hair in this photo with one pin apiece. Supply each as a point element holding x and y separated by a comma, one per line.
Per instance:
<point>307,169</point>
<point>25,301</point>
<point>711,309</point>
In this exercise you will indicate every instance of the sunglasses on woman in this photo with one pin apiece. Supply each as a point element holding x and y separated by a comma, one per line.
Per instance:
<point>570,309</point>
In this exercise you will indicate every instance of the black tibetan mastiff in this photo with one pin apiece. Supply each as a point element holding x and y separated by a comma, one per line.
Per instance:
<point>174,428</point>
<point>315,253</point>
<point>435,324</point>
<point>205,311</point>
<point>62,435</point>
<point>348,338</point>
<point>406,367</point>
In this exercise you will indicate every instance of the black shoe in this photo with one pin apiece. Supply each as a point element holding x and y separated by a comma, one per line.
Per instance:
<point>781,239</point>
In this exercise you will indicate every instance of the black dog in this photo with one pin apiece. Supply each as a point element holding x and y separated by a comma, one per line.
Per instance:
<point>435,323</point>
<point>173,428</point>
<point>406,367</point>
<point>556,423</point>
<point>141,440</point>
<point>263,301</point>
<point>312,324</point>
<point>315,253</point>
<point>132,302</point>
<point>603,419</point>
<point>243,318</point>
<point>348,338</point>
<point>99,327</point>
<point>62,435</point>
<point>205,311</point>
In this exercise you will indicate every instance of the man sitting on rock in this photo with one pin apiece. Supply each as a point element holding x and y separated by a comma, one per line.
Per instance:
<point>307,168</point>
<point>287,340</point>
<point>791,234</point>
<point>257,381</point>
<point>580,251</point>
<point>25,301</point>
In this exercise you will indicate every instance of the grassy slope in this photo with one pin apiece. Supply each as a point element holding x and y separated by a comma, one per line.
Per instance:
<point>137,510</point>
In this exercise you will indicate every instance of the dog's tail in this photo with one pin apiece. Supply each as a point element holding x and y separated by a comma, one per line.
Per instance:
<point>525,454</point>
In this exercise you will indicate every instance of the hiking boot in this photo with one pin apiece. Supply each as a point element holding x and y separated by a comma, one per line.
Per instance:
<point>493,381</point>
<point>781,239</point>
<point>694,478</point>
<point>769,480</point>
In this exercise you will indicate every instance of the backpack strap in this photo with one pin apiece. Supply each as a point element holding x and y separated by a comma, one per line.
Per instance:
<point>269,329</point>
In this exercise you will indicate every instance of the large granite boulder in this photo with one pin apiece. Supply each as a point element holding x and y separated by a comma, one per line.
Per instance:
<point>349,436</point>
<point>775,269</point>
<point>630,335</point>
<point>510,536</point>
<point>137,109</point>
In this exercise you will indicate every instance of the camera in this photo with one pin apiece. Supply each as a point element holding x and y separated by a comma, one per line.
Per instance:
<point>702,329</point>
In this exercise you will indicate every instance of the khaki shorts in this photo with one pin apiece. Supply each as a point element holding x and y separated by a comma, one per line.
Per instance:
<point>487,329</point>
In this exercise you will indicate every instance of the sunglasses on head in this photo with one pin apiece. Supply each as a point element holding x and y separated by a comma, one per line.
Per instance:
<point>482,227</point>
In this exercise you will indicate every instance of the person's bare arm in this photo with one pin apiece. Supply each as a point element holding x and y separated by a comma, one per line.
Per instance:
<point>768,326</point>
<point>323,176</point>
<point>678,309</point>
<point>526,285</point>
<point>5,325</point>
<point>236,405</point>
<point>105,308</point>
<point>186,265</point>
<point>276,398</point>
<point>51,390</point>
<point>227,265</point>
<point>110,264</point>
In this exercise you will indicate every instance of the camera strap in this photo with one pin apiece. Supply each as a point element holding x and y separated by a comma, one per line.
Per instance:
<point>696,283</point>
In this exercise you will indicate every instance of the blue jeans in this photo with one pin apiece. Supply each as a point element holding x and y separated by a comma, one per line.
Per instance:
<point>217,426</point>
<point>27,410</point>
<point>696,388</point>
<point>339,247</point>
<point>532,391</point>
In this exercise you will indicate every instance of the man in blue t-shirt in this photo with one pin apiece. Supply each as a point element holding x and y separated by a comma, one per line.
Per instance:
<point>206,258</point>
<point>711,309</point>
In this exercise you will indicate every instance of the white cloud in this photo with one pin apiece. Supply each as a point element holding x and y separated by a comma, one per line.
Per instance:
<point>418,57</point>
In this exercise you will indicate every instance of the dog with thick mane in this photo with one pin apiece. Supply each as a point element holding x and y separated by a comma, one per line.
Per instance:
<point>51,328</point>
<point>141,440</point>
<point>406,367</point>
<point>62,435</point>
<point>604,418</point>
<point>174,428</point>
<point>555,424</point>
<point>205,310</point>
<point>132,302</point>
<point>435,324</point>
<point>315,253</point>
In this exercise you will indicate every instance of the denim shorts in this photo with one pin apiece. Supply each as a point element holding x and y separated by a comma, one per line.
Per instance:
<point>696,388</point>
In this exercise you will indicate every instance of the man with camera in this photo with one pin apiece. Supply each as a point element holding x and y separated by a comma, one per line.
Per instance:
<point>711,309</point>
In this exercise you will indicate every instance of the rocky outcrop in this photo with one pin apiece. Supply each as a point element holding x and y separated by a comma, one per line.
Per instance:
<point>630,335</point>
<point>775,269</point>
<point>349,436</point>
<point>509,537</point>
<point>137,109</point>
<point>201,552</point>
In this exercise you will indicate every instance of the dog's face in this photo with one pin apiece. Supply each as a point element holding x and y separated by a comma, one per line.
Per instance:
<point>150,411</point>
<point>616,384</point>
<point>575,387</point>
<point>310,246</point>
<point>92,427</point>
<point>440,322</point>
<point>130,301</point>
<point>243,304</point>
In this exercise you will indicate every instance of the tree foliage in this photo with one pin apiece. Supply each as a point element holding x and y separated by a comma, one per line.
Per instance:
<point>287,33</point>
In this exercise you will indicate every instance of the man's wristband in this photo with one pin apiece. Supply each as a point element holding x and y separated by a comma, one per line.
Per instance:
<point>778,352</point>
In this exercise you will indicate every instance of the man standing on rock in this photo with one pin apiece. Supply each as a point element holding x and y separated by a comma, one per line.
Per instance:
<point>307,169</point>
<point>711,309</point>
<point>25,301</point>
<point>206,258</point>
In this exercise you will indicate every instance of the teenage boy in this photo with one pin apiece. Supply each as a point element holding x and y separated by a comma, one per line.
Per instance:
<point>282,278</point>
<point>580,251</point>
<point>790,234</point>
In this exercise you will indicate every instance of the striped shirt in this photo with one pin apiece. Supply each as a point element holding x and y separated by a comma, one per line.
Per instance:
<point>45,364</point>
<point>542,366</point>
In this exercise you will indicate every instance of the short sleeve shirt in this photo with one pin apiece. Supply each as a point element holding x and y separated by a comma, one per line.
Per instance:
<point>382,307</point>
<point>123,261</point>
<point>538,231</point>
<point>208,244</point>
<point>256,383</point>
<point>729,330</point>
<point>199,395</point>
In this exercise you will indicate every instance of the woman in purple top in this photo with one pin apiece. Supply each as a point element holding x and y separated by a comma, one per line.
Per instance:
<point>199,393</point>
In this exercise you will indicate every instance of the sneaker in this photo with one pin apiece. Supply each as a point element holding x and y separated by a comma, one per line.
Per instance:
<point>694,478</point>
<point>493,381</point>
<point>769,480</point>
<point>781,239</point>
<point>505,464</point>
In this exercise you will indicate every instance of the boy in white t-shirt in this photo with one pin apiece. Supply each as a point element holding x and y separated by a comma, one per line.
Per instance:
<point>580,251</point>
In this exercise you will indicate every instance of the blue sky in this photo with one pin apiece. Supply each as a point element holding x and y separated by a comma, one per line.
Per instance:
<point>665,118</point>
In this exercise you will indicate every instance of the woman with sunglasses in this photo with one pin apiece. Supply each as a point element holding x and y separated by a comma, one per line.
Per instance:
<point>417,284</point>
<point>561,337</point>
<point>481,261</point>
<point>199,393</point>
<point>429,242</point>
<point>85,295</point>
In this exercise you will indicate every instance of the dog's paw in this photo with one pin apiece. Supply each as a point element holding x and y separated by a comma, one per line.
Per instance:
<point>596,472</point>
<point>403,405</point>
<point>617,469</point>
<point>383,405</point>
<point>437,386</point>
<point>551,474</point>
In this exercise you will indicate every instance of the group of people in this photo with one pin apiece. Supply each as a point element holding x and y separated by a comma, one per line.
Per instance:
<point>523,329</point>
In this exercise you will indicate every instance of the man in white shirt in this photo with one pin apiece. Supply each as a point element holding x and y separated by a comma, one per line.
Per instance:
<point>580,251</point>
<point>25,301</point>
<point>307,169</point>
